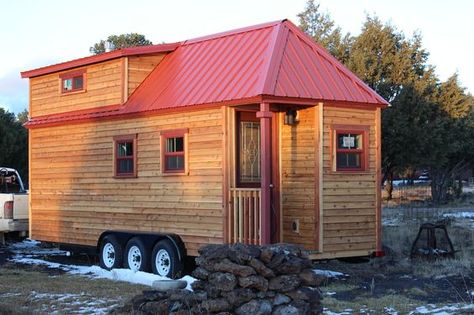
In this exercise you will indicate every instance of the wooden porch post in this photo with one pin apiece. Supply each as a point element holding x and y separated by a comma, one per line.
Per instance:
<point>266,157</point>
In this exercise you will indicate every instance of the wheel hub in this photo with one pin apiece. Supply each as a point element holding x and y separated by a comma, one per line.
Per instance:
<point>134,258</point>
<point>162,262</point>
<point>108,255</point>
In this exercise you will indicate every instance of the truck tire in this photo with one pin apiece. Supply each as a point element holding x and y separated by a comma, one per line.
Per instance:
<point>111,253</point>
<point>165,260</point>
<point>136,255</point>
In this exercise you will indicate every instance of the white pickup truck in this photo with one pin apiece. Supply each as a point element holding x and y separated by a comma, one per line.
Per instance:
<point>13,203</point>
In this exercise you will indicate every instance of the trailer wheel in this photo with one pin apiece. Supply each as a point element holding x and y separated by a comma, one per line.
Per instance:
<point>165,260</point>
<point>136,255</point>
<point>111,253</point>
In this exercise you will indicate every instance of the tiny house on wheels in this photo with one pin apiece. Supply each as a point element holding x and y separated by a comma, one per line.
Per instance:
<point>255,135</point>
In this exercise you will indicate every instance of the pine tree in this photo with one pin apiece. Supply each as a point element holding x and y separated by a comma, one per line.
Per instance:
<point>120,41</point>
<point>322,29</point>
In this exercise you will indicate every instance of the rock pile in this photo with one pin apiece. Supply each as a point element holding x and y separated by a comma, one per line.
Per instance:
<point>243,279</point>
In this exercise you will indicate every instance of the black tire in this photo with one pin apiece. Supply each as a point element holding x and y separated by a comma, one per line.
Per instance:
<point>111,253</point>
<point>165,260</point>
<point>136,255</point>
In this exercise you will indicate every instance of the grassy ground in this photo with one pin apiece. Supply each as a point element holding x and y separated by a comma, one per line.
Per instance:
<point>396,282</point>
<point>38,290</point>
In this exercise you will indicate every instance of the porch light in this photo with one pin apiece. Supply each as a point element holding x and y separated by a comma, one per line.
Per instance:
<point>290,117</point>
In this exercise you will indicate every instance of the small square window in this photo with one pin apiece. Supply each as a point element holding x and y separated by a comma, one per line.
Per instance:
<point>173,151</point>
<point>125,156</point>
<point>350,150</point>
<point>72,81</point>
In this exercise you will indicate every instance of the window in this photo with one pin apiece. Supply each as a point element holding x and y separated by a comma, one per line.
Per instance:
<point>351,149</point>
<point>125,148</point>
<point>73,81</point>
<point>248,148</point>
<point>174,151</point>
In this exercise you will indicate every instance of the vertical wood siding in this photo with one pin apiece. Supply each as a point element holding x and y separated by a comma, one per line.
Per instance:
<point>74,196</point>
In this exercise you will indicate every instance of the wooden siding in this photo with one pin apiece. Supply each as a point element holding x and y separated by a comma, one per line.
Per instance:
<point>298,161</point>
<point>74,196</point>
<point>349,199</point>
<point>138,69</point>
<point>102,87</point>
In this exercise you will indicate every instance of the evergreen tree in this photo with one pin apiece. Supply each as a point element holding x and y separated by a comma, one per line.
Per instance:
<point>322,29</point>
<point>120,41</point>
<point>13,144</point>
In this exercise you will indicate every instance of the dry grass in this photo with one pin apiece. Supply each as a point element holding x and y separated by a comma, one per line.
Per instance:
<point>33,292</point>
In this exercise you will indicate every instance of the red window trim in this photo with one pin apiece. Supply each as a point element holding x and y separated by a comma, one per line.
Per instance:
<point>72,75</point>
<point>175,133</point>
<point>364,152</point>
<point>125,138</point>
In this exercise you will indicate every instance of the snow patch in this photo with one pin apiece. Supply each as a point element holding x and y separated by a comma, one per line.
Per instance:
<point>459,215</point>
<point>26,250</point>
<point>87,303</point>
<point>442,310</point>
<point>126,275</point>
<point>329,273</point>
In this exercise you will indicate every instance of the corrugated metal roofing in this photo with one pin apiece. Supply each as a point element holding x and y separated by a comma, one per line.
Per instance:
<point>274,59</point>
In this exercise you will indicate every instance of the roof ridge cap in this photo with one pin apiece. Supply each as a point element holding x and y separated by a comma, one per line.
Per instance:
<point>233,32</point>
<point>276,49</point>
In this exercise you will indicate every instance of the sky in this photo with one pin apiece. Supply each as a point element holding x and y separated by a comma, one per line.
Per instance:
<point>38,33</point>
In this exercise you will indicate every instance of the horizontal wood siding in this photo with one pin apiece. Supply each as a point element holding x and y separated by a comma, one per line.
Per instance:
<point>349,199</point>
<point>103,87</point>
<point>74,196</point>
<point>138,69</point>
<point>298,160</point>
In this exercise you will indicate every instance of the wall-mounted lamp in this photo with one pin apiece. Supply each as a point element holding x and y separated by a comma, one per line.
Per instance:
<point>290,117</point>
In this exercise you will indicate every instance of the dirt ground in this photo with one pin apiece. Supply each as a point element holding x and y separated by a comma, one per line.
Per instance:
<point>37,289</point>
<point>394,284</point>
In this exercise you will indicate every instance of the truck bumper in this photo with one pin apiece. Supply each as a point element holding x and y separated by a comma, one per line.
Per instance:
<point>13,225</point>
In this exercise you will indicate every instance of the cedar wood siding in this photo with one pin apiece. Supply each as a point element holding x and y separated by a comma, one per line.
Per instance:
<point>349,199</point>
<point>138,69</point>
<point>74,196</point>
<point>298,161</point>
<point>103,87</point>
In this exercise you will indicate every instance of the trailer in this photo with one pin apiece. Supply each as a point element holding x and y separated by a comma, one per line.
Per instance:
<point>256,135</point>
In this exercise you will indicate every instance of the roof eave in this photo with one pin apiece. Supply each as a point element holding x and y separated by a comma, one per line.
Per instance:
<point>131,51</point>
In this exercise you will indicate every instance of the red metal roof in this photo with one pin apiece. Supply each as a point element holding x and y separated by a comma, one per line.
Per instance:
<point>274,60</point>
<point>131,51</point>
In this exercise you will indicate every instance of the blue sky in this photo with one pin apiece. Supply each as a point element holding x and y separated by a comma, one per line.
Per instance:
<point>38,33</point>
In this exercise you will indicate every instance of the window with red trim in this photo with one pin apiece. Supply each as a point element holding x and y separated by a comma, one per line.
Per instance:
<point>173,151</point>
<point>125,156</point>
<point>72,81</point>
<point>350,150</point>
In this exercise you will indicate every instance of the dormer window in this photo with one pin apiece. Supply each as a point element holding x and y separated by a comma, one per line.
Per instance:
<point>73,81</point>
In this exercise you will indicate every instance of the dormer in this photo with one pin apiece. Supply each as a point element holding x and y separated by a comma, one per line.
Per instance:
<point>92,82</point>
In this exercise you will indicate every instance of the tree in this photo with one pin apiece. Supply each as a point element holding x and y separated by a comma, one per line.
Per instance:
<point>22,116</point>
<point>120,41</point>
<point>449,150</point>
<point>322,29</point>
<point>13,143</point>
<point>396,68</point>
